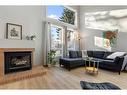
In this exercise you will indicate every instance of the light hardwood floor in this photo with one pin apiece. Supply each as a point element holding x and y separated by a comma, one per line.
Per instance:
<point>60,78</point>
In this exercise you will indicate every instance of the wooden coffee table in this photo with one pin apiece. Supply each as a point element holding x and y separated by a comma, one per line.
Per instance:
<point>92,66</point>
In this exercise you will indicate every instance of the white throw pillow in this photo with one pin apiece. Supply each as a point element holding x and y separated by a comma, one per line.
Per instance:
<point>124,63</point>
<point>84,53</point>
<point>115,54</point>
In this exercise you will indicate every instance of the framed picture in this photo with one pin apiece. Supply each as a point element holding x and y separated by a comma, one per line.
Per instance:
<point>110,38</point>
<point>14,31</point>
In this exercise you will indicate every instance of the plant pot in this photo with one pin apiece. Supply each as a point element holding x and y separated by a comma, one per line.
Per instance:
<point>45,65</point>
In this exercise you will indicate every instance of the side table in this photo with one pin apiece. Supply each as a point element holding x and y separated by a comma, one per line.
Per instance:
<point>92,66</point>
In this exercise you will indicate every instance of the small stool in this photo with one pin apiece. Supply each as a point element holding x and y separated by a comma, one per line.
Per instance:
<point>98,86</point>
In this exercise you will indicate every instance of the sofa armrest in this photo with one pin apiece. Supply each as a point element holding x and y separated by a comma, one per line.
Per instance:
<point>119,61</point>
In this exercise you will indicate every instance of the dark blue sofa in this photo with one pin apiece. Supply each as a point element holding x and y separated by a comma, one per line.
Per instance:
<point>75,60</point>
<point>109,64</point>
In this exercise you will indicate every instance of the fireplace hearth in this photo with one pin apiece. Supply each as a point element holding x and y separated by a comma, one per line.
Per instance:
<point>17,61</point>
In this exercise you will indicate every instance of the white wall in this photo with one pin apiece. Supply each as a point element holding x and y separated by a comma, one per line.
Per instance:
<point>87,35</point>
<point>31,19</point>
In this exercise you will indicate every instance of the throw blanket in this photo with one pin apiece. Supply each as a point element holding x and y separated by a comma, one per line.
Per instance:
<point>124,66</point>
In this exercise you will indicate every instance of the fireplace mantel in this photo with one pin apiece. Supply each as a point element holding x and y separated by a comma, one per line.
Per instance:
<point>2,50</point>
<point>16,49</point>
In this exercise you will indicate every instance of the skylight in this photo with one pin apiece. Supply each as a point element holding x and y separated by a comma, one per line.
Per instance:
<point>107,20</point>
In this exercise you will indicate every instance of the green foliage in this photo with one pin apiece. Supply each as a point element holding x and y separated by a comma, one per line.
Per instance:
<point>58,32</point>
<point>68,16</point>
<point>51,57</point>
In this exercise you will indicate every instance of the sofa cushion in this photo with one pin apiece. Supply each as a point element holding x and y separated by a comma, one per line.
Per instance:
<point>71,59</point>
<point>90,53</point>
<point>79,54</point>
<point>108,61</point>
<point>72,54</point>
<point>107,64</point>
<point>115,54</point>
<point>98,54</point>
<point>107,54</point>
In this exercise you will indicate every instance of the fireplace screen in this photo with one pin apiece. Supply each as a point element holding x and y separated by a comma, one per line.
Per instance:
<point>17,61</point>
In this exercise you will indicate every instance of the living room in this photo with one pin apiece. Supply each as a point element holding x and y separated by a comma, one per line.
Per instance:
<point>43,31</point>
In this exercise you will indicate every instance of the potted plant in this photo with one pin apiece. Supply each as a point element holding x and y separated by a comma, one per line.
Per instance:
<point>51,57</point>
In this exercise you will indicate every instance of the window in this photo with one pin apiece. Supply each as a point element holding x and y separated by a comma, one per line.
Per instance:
<point>107,20</point>
<point>70,39</point>
<point>62,13</point>
<point>62,35</point>
<point>56,39</point>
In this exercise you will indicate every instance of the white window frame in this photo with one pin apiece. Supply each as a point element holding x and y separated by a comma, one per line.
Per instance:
<point>61,36</point>
<point>63,23</point>
<point>76,14</point>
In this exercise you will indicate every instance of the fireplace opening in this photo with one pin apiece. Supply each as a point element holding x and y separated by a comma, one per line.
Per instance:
<point>17,61</point>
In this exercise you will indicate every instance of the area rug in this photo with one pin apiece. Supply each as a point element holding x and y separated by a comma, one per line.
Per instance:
<point>98,86</point>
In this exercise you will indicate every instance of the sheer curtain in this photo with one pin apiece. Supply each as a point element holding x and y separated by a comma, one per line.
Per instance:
<point>47,41</point>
